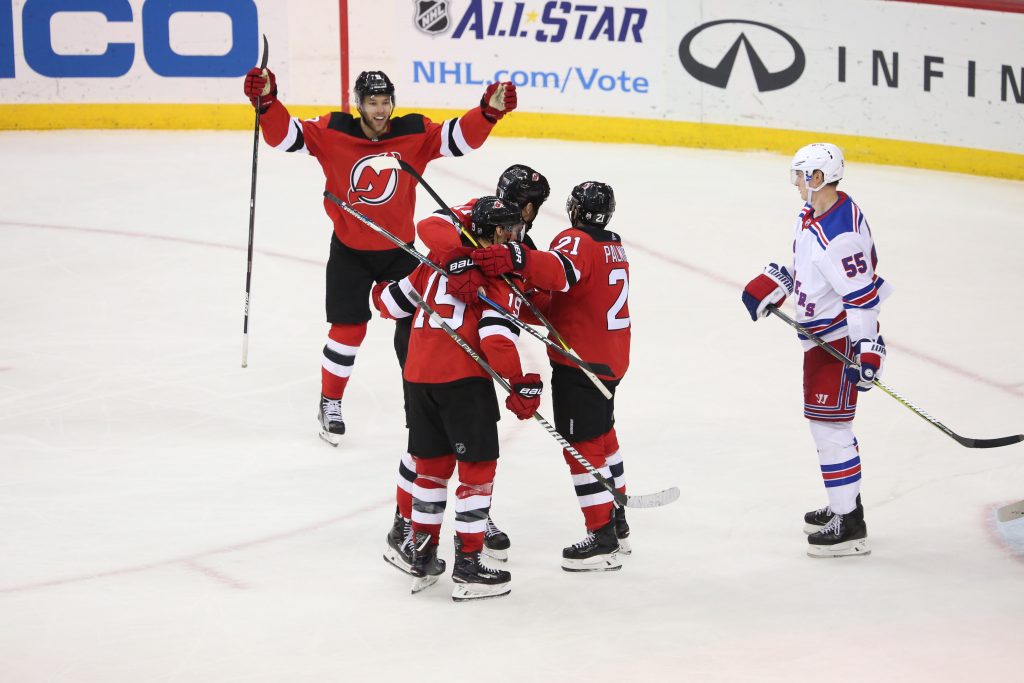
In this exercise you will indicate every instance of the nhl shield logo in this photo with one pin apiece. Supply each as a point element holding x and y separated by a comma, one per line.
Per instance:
<point>431,16</point>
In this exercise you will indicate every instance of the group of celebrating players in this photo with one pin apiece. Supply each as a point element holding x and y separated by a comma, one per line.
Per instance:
<point>484,279</point>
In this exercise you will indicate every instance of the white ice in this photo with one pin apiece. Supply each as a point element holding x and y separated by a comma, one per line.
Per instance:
<point>166,515</point>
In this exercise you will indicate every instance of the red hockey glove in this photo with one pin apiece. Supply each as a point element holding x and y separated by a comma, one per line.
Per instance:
<point>769,288</point>
<point>375,296</point>
<point>262,85</point>
<point>869,355</point>
<point>464,278</point>
<point>498,100</point>
<point>499,259</point>
<point>525,397</point>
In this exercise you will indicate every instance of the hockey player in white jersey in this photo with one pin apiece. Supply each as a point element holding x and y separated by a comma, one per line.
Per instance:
<point>838,295</point>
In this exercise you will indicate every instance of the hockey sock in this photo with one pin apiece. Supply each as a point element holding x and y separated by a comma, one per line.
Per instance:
<point>613,459</point>
<point>430,494</point>
<point>839,457</point>
<point>339,356</point>
<point>594,499</point>
<point>473,503</point>
<point>406,479</point>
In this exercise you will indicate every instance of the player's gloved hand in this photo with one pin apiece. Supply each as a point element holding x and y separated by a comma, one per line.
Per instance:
<point>261,84</point>
<point>525,397</point>
<point>375,295</point>
<point>769,288</point>
<point>499,259</point>
<point>498,100</point>
<point>464,278</point>
<point>869,355</point>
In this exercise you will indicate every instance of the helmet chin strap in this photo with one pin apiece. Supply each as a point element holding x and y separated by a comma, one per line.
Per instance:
<point>811,190</point>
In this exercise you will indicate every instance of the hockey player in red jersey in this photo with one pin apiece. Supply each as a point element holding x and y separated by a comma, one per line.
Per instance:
<point>344,145</point>
<point>838,297</point>
<point>452,408</point>
<point>587,274</point>
<point>520,185</point>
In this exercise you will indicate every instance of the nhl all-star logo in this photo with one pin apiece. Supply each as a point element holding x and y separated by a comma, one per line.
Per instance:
<point>431,16</point>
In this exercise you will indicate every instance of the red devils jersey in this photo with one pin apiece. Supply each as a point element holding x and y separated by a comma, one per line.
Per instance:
<point>434,358</point>
<point>440,233</point>
<point>343,150</point>
<point>587,273</point>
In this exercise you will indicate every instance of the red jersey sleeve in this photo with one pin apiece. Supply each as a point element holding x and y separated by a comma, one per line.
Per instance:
<point>456,137</point>
<point>498,336</point>
<point>560,268</point>
<point>439,232</point>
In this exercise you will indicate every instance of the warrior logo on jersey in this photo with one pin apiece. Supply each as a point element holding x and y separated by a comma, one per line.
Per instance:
<point>368,186</point>
<point>431,16</point>
<point>719,75</point>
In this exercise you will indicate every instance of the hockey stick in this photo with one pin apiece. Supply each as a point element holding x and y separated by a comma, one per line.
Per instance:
<point>367,221</point>
<point>252,215</point>
<point>962,440</point>
<point>385,162</point>
<point>596,368</point>
<point>1010,512</point>
<point>649,500</point>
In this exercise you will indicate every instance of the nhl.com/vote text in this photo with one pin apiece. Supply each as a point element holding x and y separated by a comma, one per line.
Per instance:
<point>586,78</point>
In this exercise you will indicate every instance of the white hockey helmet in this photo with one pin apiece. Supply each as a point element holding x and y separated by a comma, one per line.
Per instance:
<point>817,156</point>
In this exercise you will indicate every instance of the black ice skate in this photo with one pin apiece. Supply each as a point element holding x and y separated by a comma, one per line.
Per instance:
<point>622,532</point>
<point>816,519</point>
<point>598,552</point>
<point>843,535</point>
<point>474,580</point>
<point>425,566</point>
<point>398,552</point>
<point>331,424</point>
<point>496,542</point>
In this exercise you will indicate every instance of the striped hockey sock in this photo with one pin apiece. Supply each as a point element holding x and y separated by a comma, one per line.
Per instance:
<point>594,499</point>
<point>473,503</point>
<point>406,479</point>
<point>430,494</point>
<point>339,356</point>
<point>839,457</point>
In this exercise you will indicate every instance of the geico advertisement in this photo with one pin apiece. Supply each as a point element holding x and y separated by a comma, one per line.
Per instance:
<point>601,58</point>
<point>80,51</point>
<point>924,73</point>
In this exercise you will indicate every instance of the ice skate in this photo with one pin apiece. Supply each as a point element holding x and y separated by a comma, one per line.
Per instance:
<point>496,542</point>
<point>843,535</point>
<point>598,552</point>
<point>425,566</point>
<point>815,520</point>
<point>476,581</point>
<point>398,552</point>
<point>332,425</point>
<point>622,531</point>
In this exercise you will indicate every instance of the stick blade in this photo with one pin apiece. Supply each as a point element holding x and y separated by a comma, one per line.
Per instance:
<point>988,443</point>
<point>1009,513</point>
<point>266,52</point>
<point>653,500</point>
<point>384,162</point>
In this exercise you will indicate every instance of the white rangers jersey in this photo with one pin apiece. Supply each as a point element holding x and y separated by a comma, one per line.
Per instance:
<point>836,289</point>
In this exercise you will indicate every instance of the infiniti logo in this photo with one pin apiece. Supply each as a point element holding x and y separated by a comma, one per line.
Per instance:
<point>718,76</point>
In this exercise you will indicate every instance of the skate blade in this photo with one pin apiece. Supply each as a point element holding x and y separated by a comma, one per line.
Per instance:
<point>464,592</point>
<point>329,439</point>
<point>624,547</point>
<point>420,583</point>
<point>847,549</point>
<point>392,557</point>
<point>604,563</point>
<point>499,555</point>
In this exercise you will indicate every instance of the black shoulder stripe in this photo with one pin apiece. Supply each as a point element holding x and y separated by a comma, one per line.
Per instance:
<point>570,270</point>
<point>300,140</point>
<point>345,123</point>
<point>410,124</point>
<point>401,299</point>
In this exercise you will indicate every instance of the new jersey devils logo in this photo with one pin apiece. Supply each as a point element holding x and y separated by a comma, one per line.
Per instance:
<point>368,186</point>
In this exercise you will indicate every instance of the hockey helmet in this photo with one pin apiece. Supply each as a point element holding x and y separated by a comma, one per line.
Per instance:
<point>523,185</point>
<point>491,212</point>
<point>817,156</point>
<point>373,83</point>
<point>591,204</point>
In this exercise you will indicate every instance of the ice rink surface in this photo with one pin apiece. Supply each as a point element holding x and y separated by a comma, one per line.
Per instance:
<point>166,515</point>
